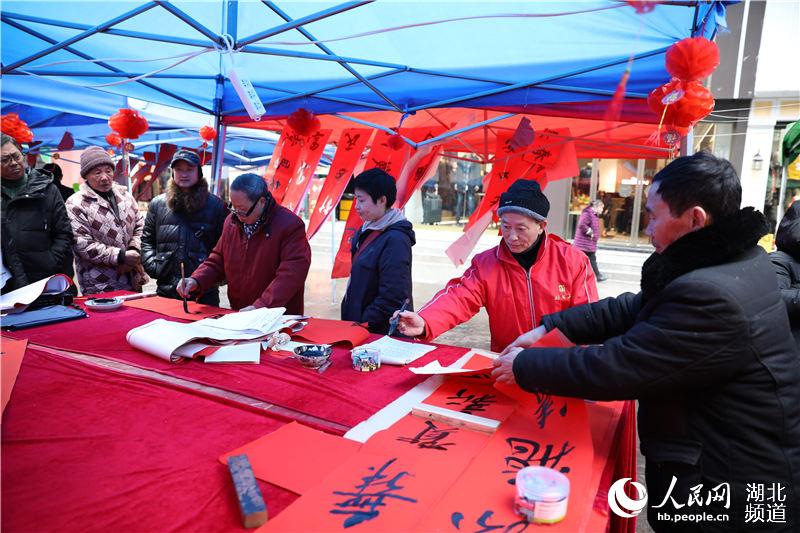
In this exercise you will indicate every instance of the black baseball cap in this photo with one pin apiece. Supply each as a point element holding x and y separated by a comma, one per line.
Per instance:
<point>185,155</point>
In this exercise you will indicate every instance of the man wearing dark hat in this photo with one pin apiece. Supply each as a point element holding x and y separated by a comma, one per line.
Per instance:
<point>528,275</point>
<point>182,226</point>
<point>107,226</point>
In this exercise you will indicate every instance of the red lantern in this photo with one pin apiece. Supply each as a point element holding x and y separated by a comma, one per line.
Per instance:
<point>395,141</point>
<point>129,124</point>
<point>113,139</point>
<point>681,103</point>
<point>641,6</point>
<point>693,58</point>
<point>129,147</point>
<point>303,122</point>
<point>13,126</point>
<point>208,134</point>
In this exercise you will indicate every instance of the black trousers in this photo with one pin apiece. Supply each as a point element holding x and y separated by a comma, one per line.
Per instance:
<point>593,261</point>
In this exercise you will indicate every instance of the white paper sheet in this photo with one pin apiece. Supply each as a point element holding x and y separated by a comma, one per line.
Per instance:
<point>249,352</point>
<point>16,301</point>
<point>264,320</point>
<point>163,337</point>
<point>397,352</point>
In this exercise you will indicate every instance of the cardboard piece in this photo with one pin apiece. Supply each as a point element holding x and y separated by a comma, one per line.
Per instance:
<point>11,353</point>
<point>295,456</point>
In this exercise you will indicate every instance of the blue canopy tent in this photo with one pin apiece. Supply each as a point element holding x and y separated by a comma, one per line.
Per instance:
<point>339,58</point>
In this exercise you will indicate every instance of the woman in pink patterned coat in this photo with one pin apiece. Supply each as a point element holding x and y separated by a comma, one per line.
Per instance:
<point>107,227</point>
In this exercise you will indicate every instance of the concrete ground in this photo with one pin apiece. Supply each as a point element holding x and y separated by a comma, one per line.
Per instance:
<point>432,269</point>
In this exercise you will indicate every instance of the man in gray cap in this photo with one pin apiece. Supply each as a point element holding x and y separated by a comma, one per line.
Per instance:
<point>182,226</point>
<point>528,275</point>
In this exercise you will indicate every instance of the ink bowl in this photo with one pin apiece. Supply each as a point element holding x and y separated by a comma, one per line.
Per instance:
<point>103,304</point>
<point>313,356</point>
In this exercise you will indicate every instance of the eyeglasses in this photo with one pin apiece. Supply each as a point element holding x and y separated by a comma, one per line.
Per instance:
<point>6,159</point>
<point>239,213</point>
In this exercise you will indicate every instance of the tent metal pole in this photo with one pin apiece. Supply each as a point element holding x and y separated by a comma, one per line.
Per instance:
<point>321,57</point>
<point>83,35</point>
<point>319,15</point>
<point>110,31</point>
<point>459,131</point>
<point>333,253</point>
<point>189,20</point>
<point>120,74</point>
<point>380,107</point>
<point>525,84</point>
<point>782,196</point>
<point>330,52</point>
<point>102,64</point>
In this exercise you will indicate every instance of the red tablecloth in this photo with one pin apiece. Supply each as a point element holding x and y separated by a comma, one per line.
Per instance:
<point>340,395</point>
<point>89,449</point>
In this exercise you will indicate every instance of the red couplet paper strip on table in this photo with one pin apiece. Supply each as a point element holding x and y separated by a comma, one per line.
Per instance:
<point>174,308</point>
<point>11,353</point>
<point>413,435</point>
<point>295,457</point>
<point>484,495</point>
<point>371,492</point>
<point>324,331</point>
<point>88,449</point>
<point>472,397</point>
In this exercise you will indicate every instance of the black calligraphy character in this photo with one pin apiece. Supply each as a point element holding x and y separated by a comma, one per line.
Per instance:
<point>386,166</point>
<point>430,438</point>
<point>563,410</point>
<point>285,163</point>
<point>365,501</point>
<point>507,147</point>
<point>524,452</point>
<point>294,138</point>
<point>504,175</point>
<point>339,174</point>
<point>420,173</point>
<point>544,408</point>
<point>315,141</point>
<point>471,403</point>
<point>350,141</point>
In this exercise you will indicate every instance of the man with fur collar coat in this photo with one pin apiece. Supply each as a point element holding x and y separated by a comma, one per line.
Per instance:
<point>705,347</point>
<point>182,226</point>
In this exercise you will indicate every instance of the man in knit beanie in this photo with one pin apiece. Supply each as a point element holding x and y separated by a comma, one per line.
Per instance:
<point>107,225</point>
<point>528,275</point>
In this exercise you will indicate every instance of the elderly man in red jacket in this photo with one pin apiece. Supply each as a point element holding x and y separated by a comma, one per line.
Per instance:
<point>263,252</point>
<point>528,275</point>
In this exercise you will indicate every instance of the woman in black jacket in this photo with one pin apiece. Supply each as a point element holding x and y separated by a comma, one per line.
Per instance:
<point>380,278</point>
<point>34,220</point>
<point>787,265</point>
<point>182,226</point>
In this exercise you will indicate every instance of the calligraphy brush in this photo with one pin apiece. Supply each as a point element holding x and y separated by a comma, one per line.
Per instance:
<point>393,322</point>
<point>185,301</point>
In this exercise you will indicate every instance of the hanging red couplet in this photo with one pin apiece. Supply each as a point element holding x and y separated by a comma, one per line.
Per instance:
<point>313,147</point>
<point>350,149</point>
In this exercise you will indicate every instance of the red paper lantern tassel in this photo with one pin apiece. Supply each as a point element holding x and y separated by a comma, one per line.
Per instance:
<point>303,122</point>
<point>615,105</point>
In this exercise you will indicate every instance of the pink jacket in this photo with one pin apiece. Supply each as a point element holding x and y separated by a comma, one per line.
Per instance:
<point>515,299</point>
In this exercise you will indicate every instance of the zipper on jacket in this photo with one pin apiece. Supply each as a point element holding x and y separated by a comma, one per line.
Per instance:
<point>530,298</point>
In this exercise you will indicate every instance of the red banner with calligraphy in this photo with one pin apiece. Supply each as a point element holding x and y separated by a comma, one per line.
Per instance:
<point>530,162</point>
<point>297,188</point>
<point>287,164</point>
<point>382,156</point>
<point>349,151</point>
<point>420,167</point>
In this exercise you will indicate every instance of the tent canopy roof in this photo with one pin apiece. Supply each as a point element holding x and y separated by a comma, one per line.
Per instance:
<point>343,57</point>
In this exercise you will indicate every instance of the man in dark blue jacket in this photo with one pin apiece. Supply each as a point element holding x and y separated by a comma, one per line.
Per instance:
<point>380,278</point>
